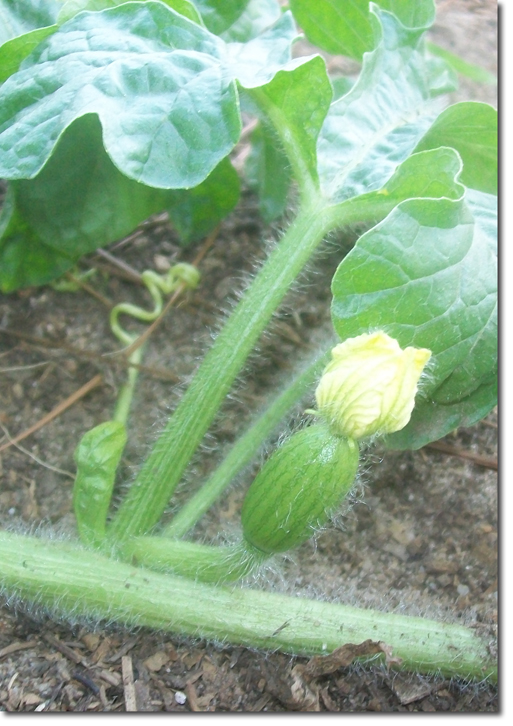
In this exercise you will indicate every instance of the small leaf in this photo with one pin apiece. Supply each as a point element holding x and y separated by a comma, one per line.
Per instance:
<point>219,16</point>
<point>427,174</point>
<point>470,128</point>
<point>97,457</point>
<point>418,14</point>
<point>297,100</point>
<point>347,28</point>
<point>14,51</point>
<point>268,172</point>
<point>426,275</point>
<point>257,16</point>
<point>339,28</point>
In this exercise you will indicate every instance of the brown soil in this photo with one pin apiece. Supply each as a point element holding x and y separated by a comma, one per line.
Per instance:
<point>419,538</point>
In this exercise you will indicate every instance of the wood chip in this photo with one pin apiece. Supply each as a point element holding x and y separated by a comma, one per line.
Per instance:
<point>128,683</point>
<point>13,647</point>
<point>409,689</point>
<point>122,651</point>
<point>110,677</point>
<point>156,661</point>
<point>342,657</point>
<point>62,648</point>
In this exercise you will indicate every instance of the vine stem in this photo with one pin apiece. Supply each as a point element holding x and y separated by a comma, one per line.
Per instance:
<point>126,393</point>
<point>161,472</point>
<point>76,582</point>
<point>243,450</point>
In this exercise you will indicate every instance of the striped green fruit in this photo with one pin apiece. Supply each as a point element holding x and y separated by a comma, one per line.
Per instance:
<point>298,489</point>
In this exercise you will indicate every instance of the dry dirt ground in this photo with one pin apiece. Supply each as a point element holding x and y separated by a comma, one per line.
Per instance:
<point>419,538</point>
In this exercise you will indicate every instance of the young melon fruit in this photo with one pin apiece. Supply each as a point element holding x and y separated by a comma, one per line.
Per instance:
<point>298,489</point>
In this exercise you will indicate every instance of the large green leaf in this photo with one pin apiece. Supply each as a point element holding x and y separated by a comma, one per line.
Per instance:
<point>345,27</point>
<point>71,8</point>
<point>168,111</point>
<point>80,201</point>
<point>163,88</point>
<point>471,129</point>
<point>117,106</point>
<point>374,127</point>
<point>427,276</point>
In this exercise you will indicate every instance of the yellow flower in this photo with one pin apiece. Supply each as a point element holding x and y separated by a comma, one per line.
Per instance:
<point>369,386</point>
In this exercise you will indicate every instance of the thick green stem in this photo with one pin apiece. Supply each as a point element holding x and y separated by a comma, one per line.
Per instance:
<point>243,451</point>
<point>207,563</point>
<point>80,583</point>
<point>160,474</point>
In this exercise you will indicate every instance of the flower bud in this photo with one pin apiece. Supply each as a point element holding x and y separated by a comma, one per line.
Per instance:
<point>369,386</point>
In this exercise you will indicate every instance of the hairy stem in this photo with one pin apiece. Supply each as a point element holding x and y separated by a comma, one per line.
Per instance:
<point>73,581</point>
<point>243,451</point>
<point>161,472</point>
<point>206,563</point>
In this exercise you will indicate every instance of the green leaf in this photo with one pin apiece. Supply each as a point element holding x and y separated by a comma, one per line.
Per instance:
<point>80,201</point>
<point>374,127</point>
<point>461,66</point>
<point>18,17</point>
<point>297,102</point>
<point>268,172</point>
<point>346,28</point>
<point>195,212</point>
<point>14,51</point>
<point>22,27</point>
<point>168,111</point>
<point>431,421</point>
<point>257,16</point>
<point>339,28</point>
<point>97,457</point>
<point>411,14</point>
<point>427,174</point>
<point>470,128</point>
<point>218,16</point>
<point>23,260</point>
<point>442,78</point>
<point>427,276</point>
<point>257,61</point>
<point>73,7</point>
